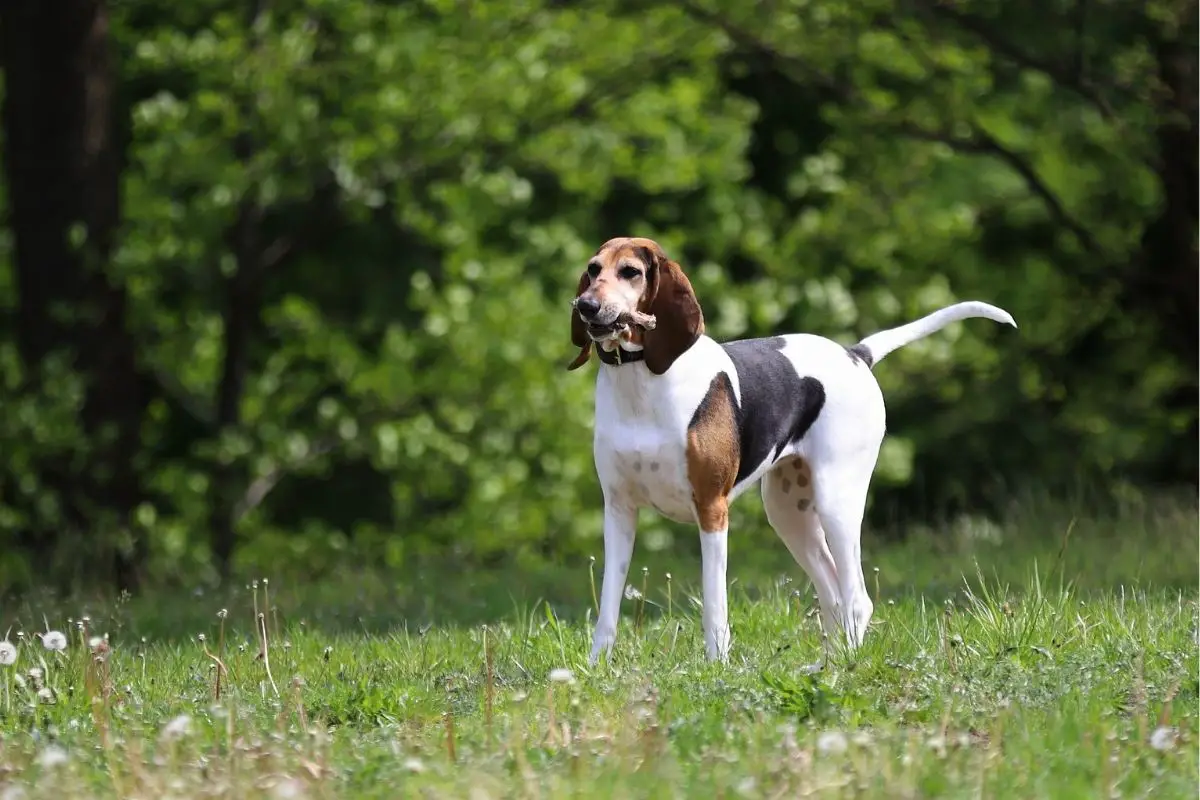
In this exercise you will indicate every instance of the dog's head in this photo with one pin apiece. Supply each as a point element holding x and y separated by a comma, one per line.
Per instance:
<point>635,275</point>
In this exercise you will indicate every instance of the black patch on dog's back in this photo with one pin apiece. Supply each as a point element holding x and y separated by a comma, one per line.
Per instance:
<point>860,353</point>
<point>778,406</point>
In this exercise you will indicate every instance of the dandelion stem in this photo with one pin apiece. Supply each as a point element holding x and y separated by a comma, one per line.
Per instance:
<point>262,624</point>
<point>490,689</point>
<point>592,580</point>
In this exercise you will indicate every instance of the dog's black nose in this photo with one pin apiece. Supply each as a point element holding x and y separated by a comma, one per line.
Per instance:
<point>588,307</point>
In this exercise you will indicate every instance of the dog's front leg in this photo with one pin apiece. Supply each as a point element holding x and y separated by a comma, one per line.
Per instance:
<point>714,558</point>
<point>620,527</point>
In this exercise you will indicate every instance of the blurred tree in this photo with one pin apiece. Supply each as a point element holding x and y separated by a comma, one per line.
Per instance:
<point>335,318</point>
<point>61,165</point>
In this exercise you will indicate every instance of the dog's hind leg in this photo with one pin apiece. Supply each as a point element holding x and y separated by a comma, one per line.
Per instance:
<point>841,498</point>
<point>788,499</point>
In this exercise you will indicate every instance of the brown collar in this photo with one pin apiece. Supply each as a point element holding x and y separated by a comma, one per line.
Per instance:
<point>619,355</point>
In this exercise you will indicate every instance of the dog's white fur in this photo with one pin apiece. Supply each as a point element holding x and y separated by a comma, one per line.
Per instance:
<point>640,443</point>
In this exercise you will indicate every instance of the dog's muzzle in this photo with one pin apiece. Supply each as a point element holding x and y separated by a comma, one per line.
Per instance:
<point>598,330</point>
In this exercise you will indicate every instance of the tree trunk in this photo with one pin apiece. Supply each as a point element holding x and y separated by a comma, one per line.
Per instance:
<point>62,166</point>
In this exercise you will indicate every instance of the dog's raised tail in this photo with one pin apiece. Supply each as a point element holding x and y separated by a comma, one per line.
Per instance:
<point>873,348</point>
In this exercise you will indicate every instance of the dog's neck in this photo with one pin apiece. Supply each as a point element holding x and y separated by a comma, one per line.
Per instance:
<point>620,353</point>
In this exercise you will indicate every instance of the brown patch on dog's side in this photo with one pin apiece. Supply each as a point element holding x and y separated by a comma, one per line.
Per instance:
<point>713,454</point>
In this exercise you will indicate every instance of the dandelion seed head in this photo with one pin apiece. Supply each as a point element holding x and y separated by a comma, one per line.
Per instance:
<point>45,696</point>
<point>832,742</point>
<point>54,640</point>
<point>8,653</point>
<point>287,789</point>
<point>1163,738</point>
<point>178,727</point>
<point>53,756</point>
<point>562,675</point>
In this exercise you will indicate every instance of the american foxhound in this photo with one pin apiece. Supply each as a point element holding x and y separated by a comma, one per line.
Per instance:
<point>684,425</point>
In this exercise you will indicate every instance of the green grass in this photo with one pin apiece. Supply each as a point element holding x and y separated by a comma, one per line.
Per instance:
<point>1048,671</point>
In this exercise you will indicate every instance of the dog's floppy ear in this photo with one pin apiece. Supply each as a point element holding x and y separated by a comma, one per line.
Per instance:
<point>673,303</point>
<point>579,336</point>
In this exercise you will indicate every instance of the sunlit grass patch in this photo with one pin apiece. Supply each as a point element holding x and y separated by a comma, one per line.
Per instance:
<point>1038,692</point>
<point>1057,661</point>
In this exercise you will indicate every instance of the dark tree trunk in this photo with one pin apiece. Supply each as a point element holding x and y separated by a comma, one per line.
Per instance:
<point>62,166</point>
<point>1165,279</point>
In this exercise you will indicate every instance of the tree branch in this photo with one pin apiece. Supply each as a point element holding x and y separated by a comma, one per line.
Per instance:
<point>785,61</point>
<point>1067,78</point>
<point>982,143</point>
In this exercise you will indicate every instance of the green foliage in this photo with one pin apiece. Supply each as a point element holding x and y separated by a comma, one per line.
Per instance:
<point>397,199</point>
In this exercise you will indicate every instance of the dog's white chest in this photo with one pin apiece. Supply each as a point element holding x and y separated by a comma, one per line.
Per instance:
<point>648,467</point>
<point>641,451</point>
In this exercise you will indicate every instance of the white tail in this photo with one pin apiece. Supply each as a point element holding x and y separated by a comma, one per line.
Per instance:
<point>878,345</point>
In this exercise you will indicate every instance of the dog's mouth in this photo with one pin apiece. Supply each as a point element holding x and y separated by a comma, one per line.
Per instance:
<point>598,332</point>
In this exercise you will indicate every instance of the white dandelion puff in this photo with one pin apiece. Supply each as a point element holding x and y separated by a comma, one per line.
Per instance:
<point>1163,738</point>
<point>178,727</point>
<point>287,789</point>
<point>632,593</point>
<point>562,675</point>
<point>8,653</point>
<point>46,696</point>
<point>52,756</point>
<point>832,742</point>
<point>54,640</point>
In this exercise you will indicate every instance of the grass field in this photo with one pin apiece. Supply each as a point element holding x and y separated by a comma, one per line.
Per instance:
<point>1052,656</point>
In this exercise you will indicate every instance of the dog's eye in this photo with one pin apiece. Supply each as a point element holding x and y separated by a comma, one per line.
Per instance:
<point>629,273</point>
<point>593,270</point>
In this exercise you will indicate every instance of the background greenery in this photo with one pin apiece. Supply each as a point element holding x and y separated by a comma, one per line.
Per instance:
<point>284,283</point>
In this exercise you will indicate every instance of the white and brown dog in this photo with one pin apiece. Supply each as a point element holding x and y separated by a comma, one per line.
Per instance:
<point>684,425</point>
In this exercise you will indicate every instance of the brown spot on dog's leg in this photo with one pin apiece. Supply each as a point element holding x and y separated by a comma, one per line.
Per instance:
<point>637,466</point>
<point>786,485</point>
<point>654,466</point>
<point>713,454</point>
<point>803,504</point>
